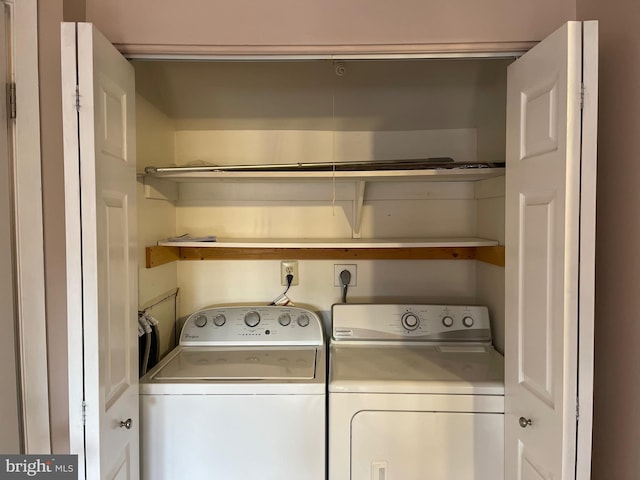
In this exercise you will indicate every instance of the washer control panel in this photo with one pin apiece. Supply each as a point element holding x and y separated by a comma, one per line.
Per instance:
<point>252,325</point>
<point>411,322</point>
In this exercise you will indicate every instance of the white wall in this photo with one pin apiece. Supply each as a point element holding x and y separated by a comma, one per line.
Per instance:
<point>491,110</point>
<point>329,26</point>
<point>242,113</point>
<point>156,218</point>
<point>206,283</point>
<point>396,209</point>
<point>490,209</point>
<point>251,147</point>
<point>616,427</point>
<point>308,210</point>
<point>396,95</point>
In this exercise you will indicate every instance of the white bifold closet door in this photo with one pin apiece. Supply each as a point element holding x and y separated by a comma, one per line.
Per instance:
<point>99,126</point>
<point>550,211</point>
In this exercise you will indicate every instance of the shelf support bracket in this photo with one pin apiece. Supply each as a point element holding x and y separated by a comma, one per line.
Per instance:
<point>358,203</point>
<point>160,189</point>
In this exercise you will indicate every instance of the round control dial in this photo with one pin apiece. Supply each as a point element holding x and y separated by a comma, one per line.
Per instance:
<point>200,321</point>
<point>219,320</point>
<point>252,319</point>
<point>447,321</point>
<point>303,320</point>
<point>410,321</point>
<point>467,322</point>
<point>284,319</point>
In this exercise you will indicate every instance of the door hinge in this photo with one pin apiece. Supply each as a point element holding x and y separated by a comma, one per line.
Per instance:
<point>12,100</point>
<point>582,96</point>
<point>77,98</point>
<point>577,409</point>
<point>84,413</point>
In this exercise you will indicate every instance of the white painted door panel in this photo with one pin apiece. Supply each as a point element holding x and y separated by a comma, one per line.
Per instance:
<point>542,286</point>
<point>10,410</point>
<point>107,246</point>
<point>587,246</point>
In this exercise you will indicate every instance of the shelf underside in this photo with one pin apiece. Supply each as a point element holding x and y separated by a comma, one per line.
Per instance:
<point>461,175</point>
<point>336,243</point>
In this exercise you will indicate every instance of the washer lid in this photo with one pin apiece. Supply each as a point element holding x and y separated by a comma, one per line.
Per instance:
<point>465,369</point>
<point>207,363</point>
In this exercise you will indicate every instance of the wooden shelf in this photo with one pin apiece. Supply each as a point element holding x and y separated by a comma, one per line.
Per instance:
<point>328,249</point>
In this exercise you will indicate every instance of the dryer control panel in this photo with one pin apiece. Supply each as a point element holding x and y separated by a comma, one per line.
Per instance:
<point>411,322</point>
<point>252,325</point>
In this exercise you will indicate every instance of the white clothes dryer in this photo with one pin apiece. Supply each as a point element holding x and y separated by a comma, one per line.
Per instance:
<point>241,397</point>
<point>415,392</point>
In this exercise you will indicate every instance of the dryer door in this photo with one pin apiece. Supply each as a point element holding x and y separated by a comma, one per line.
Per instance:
<point>435,445</point>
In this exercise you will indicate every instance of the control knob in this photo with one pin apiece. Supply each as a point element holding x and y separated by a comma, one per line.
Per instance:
<point>252,319</point>
<point>219,320</point>
<point>410,321</point>
<point>303,320</point>
<point>447,321</point>
<point>200,321</point>
<point>284,319</point>
<point>467,322</point>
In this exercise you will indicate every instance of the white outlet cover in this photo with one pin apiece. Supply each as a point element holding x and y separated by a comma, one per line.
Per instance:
<point>286,267</point>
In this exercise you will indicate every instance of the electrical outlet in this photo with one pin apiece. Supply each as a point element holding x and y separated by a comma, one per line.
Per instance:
<point>353,269</point>
<point>289,267</point>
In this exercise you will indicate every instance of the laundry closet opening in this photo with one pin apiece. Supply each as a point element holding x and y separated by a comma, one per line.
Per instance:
<point>230,113</point>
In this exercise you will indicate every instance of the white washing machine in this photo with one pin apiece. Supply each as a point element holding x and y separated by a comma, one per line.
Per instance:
<point>241,397</point>
<point>415,392</point>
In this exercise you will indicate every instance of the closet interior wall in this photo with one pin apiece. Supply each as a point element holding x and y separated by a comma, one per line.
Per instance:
<point>191,113</point>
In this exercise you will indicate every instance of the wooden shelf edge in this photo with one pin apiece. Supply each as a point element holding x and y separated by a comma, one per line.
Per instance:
<point>156,255</point>
<point>493,255</point>
<point>406,253</point>
<point>160,255</point>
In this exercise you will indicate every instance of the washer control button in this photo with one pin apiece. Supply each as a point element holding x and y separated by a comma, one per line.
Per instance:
<point>410,321</point>
<point>219,320</point>
<point>467,322</point>
<point>252,319</point>
<point>284,319</point>
<point>447,321</point>
<point>303,320</point>
<point>200,321</point>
